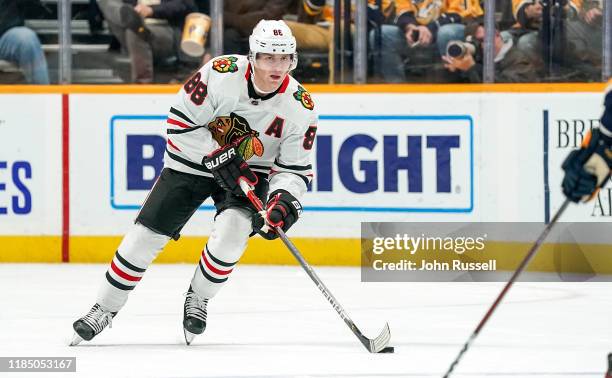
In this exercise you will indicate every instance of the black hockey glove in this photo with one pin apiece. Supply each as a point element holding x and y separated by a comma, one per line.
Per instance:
<point>228,167</point>
<point>587,169</point>
<point>282,210</point>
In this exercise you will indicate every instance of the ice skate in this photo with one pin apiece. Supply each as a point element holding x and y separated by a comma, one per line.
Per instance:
<point>91,324</point>
<point>194,315</point>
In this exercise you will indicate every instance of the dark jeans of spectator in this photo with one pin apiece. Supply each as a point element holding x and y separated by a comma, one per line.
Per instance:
<point>161,45</point>
<point>389,61</point>
<point>21,46</point>
<point>94,17</point>
<point>234,42</point>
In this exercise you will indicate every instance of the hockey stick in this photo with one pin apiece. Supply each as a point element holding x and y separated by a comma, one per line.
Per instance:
<point>372,345</point>
<point>536,246</point>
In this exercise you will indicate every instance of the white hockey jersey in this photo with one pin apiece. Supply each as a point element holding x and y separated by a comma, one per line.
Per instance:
<point>219,104</point>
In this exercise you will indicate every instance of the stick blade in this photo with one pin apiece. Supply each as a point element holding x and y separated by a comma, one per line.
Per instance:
<point>381,341</point>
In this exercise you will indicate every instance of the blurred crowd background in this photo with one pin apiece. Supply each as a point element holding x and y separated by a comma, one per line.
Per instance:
<point>358,41</point>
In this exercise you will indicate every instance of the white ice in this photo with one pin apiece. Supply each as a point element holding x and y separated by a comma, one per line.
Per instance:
<point>273,322</point>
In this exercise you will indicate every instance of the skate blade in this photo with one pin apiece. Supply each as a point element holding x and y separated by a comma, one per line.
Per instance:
<point>188,336</point>
<point>76,339</point>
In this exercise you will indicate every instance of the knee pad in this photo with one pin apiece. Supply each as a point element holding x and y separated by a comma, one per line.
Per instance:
<point>230,234</point>
<point>140,245</point>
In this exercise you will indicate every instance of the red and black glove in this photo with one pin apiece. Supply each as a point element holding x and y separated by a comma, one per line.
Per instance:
<point>228,167</point>
<point>282,210</point>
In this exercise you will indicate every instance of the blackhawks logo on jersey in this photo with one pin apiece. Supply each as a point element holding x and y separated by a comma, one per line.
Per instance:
<point>303,96</point>
<point>225,64</point>
<point>228,129</point>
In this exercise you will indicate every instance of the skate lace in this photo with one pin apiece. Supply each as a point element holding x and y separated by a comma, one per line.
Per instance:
<point>98,318</point>
<point>195,306</point>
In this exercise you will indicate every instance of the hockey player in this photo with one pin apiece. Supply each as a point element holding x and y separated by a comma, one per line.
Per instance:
<point>588,169</point>
<point>237,118</point>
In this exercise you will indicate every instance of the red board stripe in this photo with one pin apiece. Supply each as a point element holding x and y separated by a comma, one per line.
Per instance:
<point>212,268</point>
<point>122,274</point>
<point>178,123</point>
<point>65,178</point>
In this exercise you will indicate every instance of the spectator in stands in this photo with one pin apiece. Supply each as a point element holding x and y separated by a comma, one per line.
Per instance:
<point>302,17</point>
<point>311,30</point>
<point>315,18</point>
<point>19,44</point>
<point>240,16</point>
<point>528,17</point>
<point>427,25</point>
<point>584,31</point>
<point>149,29</point>
<point>512,65</point>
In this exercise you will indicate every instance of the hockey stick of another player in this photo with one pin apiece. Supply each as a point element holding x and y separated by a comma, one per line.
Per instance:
<point>534,249</point>
<point>372,345</point>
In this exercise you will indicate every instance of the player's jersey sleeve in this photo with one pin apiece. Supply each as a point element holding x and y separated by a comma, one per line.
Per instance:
<point>292,168</point>
<point>192,109</point>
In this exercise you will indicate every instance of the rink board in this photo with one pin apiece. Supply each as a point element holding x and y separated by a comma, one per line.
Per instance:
<point>76,163</point>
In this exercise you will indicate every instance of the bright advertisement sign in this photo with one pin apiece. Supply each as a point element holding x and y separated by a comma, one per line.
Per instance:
<point>30,164</point>
<point>399,163</point>
<point>378,157</point>
<point>394,163</point>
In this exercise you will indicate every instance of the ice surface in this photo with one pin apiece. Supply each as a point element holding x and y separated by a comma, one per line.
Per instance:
<point>273,322</point>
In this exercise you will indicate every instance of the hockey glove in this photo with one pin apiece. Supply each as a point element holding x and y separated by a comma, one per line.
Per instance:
<point>227,167</point>
<point>587,169</point>
<point>282,210</point>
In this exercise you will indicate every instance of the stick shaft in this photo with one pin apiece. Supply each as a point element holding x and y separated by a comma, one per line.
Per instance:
<point>532,252</point>
<point>311,273</point>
